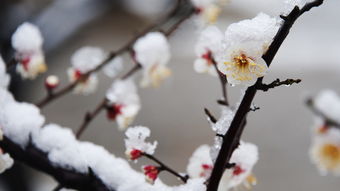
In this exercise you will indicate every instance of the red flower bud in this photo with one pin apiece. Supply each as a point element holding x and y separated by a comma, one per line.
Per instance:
<point>51,82</point>
<point>151,173</point>
<point>133,154</point>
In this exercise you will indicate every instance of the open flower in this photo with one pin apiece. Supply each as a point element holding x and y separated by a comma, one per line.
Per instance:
<point>152,51</point>
<point>325,149</point>
<point>151,173</point>
<point>124,103</point>
<point>244,157</point>
<point>27,42</point>
<point>135,142</point>
<point>83,61</point>
<point>208,10</point>
<point>4,77</point>
<point>245,43</point>
<point>207,48</point>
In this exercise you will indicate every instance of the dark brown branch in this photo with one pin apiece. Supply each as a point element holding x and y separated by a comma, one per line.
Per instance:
<point>12,62</point>
<point>223,81</point>
<point>89,116</point>
<point>276,83</point>
<point>210,116</point>
<point>316,111</point>
<point>233,135</point>
<point>37,159</point>
<point>166,168</point>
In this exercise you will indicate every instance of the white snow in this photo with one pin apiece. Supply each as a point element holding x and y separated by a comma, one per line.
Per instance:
<point>4,77</point>
<point>87,58</point>
<point>27,38</point>
<point>136,139</point>
<point>328,102</point>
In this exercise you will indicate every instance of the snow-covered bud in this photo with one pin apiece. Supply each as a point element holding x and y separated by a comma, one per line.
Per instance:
<point>133,154</point>
<point>124,103</point>
<point>136,140</point>
<point>87,85</point>
<point>208,10</point>
<point>152,51</point>
<point>51,82</point>
<point>27,42</point>
<point>151,173</point>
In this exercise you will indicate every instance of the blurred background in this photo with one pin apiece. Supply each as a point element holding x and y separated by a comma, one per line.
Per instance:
<point>174,112</point>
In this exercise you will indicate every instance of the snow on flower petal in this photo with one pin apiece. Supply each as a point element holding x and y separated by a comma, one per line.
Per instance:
<point>208,10</point>
<point>200,163</point>
<point>124,102</point>
<point>87,58</point>
<point>328,103</point>
<point>136,140</point>
<point>4,77</point>
<point>152,51</point>
<point>208,47</point>
<point>27,42</point>
<point>245,43</point>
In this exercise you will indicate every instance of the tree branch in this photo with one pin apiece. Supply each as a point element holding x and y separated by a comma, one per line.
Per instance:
<point>166,168</point>
<point>210,116</point>
<point>223,81</point>
<point>276,83</point>
<point>37,159</point>
<point>233,135</point>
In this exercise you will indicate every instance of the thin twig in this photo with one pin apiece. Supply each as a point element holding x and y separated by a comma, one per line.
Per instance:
<point>276,83</point>
<point>223,81</point>
<point>166,168</point>
<point>89,116</point>
<point>210,116</point>
<point>233,135</point>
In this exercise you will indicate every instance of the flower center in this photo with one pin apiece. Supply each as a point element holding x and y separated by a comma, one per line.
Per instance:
<point>114,110</point>
<point>241,61</point>
<point>332,152</point>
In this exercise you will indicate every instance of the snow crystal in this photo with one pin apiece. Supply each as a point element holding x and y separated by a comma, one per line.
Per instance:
<point>290,4</point>
<point>223,123</point>
<point>6,162</point>
<point>27,38</point>
<point>136,140</point>
<point>87,58</point>
<point>4,77</point>
<point>328,102</point>
<point>113,67</point>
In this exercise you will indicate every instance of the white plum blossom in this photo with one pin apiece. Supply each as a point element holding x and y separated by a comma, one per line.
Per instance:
<point>84,60</point>
<point>113,67</point>
<point>244,157</point>
<point>244,44</point>
<point>328,103</point>
<point>152,51</point>
<point>207,49</point>
<point>6,161</point>
<point>208,10</point>
<point>27,42</point>
<point>4,77</point>
<point>124,102</point>
<point>325,149</point>
<point>135,142</point>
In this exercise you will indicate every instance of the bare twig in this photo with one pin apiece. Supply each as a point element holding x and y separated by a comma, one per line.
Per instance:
<point>223,81</point>
<point>233,135</point>
<point>210,116</point>
<point>276,83</point>
<point>166,168</point>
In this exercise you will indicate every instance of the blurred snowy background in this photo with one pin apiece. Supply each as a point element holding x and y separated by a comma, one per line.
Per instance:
<point>174,112</point>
